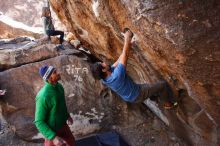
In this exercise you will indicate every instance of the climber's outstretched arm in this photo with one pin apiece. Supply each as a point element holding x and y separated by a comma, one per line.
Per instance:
<point>116,63</point>
<point>125,52</point>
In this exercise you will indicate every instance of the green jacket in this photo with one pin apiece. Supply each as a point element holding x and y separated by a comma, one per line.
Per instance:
<point>51,111</point>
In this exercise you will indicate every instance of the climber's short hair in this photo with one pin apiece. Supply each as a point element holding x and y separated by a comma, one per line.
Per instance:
<point>97,72</point>
<point>44,11</point>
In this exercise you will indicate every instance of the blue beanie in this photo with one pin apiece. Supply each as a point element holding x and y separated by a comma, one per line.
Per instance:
<point>46,71</point>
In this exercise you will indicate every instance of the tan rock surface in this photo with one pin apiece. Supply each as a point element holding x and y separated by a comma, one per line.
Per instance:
<point>10,32</point>
<point>175,40</point>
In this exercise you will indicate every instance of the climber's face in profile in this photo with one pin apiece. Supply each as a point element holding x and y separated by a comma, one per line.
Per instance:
<point>48,13</point>
<point>55,76</point>
<point>100,70</point>
<point>105,67</point>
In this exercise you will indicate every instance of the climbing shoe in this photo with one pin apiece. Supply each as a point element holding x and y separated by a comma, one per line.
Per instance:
<point>154,97</point>
<point>168,105</point>
<point>60,47</point>
<point>175,104</point>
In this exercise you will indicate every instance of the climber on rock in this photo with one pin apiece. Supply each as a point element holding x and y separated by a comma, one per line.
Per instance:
<point>49,27</point>
<point>51,112</point>
<point>115,77</point>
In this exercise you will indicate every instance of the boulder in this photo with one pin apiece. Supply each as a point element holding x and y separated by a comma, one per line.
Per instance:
<point>24,50</point>
<point>92,106</point>
<point>23,83</point>
<point>175,40</point>
<point>28,13</point>
<point>8,31</point>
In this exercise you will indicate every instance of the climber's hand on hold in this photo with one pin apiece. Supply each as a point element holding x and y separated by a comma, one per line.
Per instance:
<point>127,29</point>
<point>58,141</point>
<point>131,34</point>
<point>69,121</point>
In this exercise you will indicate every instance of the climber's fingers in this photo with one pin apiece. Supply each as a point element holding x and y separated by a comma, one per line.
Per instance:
<point>127,29</point>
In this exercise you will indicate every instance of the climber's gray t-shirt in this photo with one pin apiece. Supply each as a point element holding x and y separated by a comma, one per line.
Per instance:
<point>122,84</point>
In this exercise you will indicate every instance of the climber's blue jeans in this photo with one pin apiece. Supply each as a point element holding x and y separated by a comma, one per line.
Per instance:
<point>56,32</point>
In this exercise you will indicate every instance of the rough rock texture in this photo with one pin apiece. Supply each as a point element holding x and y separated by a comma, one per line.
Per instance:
<point>23,82</point>
<point>27,12</point>
<point>24,50</point>
<point>93,107</point>
<point>20,10</point>
<point>175,40</point>
<point>10,32</point>
<point>22,90</point>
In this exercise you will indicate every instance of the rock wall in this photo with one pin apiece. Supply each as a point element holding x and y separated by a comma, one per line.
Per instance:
<point>10,32</point>
<point>22,82</point>
<point>24,50</point>
<point>27,12</point>
<point>23,18</point>
<point>93,107</point>
<point>175,40</point>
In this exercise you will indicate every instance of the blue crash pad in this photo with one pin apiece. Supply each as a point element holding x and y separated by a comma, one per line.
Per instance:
<point>104,139</point>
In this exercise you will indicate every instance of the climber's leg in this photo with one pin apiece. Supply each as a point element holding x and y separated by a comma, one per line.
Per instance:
<point>161,89</point>
<point>143,93</point>
<point>164,91</point>
<point>57,32</point>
